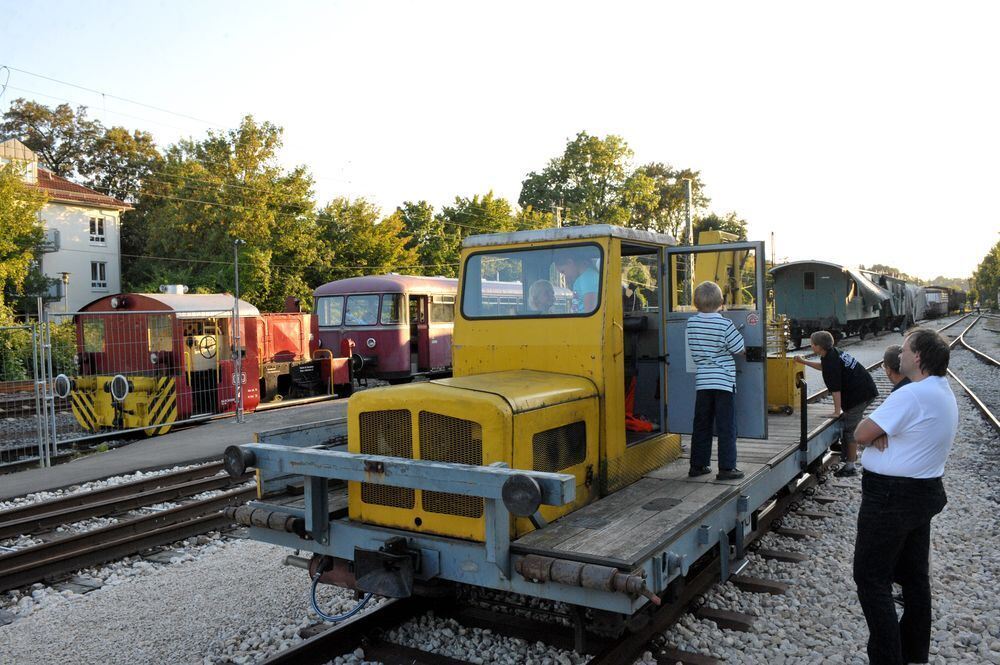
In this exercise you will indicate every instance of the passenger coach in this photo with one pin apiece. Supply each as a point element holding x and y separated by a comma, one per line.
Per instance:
<point>395,327</point>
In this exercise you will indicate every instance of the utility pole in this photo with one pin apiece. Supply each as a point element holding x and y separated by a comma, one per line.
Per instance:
<point>237,334</point>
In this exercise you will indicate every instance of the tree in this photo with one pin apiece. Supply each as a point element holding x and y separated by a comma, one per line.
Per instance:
<point>986,278</point>
<point>435,243</point>
<point>210,192</point>
<point>592,181</point>
<point>119,161</point>
<point>730,223</point>
<point>893,272</point>
<point>358,242</point>
<point>484,213</point>
<point>666,210</point>
<point>20,233</point>
<point>61,137</point>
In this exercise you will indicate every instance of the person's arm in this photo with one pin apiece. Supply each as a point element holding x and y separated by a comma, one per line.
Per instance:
<point>837,411</point>
<point>808,363</point>
<point>868,433</point>
<point>589,302</point>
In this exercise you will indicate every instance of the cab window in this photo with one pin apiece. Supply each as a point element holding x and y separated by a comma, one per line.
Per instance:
<point>161,336</point>
<point>330,310</point>
<point>93,335</point>
<point>393,306</point>
<point>557,281</point>
<point>362,310</point>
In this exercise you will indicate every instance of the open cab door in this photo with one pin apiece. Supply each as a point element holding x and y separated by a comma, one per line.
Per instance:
<point>738,269</point>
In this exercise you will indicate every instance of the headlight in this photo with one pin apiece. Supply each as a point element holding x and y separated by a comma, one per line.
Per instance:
<point>153,358</point>
<point>370,343</point>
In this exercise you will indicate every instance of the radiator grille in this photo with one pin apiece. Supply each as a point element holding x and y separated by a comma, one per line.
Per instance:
<point>387,433</point>
<point>447,439</point>
<point>559,448</point>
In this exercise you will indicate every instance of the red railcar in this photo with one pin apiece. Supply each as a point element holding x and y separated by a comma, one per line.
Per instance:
<point>399,325</point>
<point>176,355</point>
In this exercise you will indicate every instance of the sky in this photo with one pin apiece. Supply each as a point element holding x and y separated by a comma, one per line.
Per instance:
<point>854,132</point>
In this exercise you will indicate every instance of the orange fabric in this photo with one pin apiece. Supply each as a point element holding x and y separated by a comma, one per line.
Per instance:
<point>634,423</point>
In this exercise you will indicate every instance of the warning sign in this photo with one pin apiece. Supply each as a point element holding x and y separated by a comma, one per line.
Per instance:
<point>752,319</point>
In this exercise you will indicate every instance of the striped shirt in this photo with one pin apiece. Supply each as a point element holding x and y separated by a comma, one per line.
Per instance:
<point>712,339</point>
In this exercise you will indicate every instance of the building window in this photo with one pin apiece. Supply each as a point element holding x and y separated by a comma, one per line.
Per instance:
<point>98,275</point>
<point>97,230</point>
<point>810,281</point>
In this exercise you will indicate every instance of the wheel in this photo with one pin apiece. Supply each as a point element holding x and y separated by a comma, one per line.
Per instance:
<point>862,332</point>
<point>837,336</point>
<point>343,390</point>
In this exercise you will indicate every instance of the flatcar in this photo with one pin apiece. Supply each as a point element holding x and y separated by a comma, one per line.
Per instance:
<point>817,295</point>
<point>484,479</point>
<point>147,360</point>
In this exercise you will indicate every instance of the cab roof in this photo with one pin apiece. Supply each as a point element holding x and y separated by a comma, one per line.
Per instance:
<point>569,233</point>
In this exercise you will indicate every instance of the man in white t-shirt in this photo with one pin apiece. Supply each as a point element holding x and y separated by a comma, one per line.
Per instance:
<point>906,440</point>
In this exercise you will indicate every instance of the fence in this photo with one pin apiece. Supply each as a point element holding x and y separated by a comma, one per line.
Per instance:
<point>78,377</point>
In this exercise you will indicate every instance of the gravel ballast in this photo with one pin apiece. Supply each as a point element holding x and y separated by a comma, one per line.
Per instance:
<point>233,601</point>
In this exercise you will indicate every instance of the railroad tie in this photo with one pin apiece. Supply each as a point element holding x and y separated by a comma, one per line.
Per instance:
<point>782,555</point>
<point>825,498</point>
<point>673,655</point>
<point>727,618</point>
<point>814,514</point>
<point>759,585</point>
<point>797,534</point>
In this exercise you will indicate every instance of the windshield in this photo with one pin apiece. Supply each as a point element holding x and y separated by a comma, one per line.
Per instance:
<point>362,310</point>
<point>330,310</point>
<point>563,281</point>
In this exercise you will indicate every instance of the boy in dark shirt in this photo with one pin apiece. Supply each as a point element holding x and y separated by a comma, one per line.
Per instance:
<point>890,363</point>
<point>852,388</point>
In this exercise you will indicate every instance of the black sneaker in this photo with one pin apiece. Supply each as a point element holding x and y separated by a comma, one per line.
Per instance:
<point>846,472</point>
<point>696,471</point>
<point>729,474</point>
<point>836,447</point>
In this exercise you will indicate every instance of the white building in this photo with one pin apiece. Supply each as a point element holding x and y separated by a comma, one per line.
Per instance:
<point>82,250</point>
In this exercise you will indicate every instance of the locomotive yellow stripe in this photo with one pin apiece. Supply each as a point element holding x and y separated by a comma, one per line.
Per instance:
<point>164,407</point>
<point>83,411</point>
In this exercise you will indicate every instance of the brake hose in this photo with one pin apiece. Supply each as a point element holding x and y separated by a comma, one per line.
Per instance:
<point>334,618</point>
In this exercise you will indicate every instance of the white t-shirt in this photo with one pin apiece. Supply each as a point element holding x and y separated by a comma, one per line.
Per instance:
<point>921,419</point>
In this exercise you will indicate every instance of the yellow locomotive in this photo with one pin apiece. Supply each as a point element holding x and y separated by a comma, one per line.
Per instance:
<point>559,401</point>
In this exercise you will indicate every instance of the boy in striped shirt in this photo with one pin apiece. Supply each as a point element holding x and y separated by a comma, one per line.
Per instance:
<point>712,340</point>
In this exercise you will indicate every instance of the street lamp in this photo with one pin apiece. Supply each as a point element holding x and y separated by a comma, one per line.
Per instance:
<point>237,350</point>
<point>65,281</point>
<point>689,235</point>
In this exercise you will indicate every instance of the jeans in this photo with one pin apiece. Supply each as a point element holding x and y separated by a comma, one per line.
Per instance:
<point>893,544</point>
<point>713,406</point>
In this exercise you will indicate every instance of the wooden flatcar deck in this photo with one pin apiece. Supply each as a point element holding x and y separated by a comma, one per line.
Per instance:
<point>622,528</point>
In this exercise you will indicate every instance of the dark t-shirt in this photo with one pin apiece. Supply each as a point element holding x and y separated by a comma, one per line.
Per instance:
<point>905,380</point>
<point>844,374</point>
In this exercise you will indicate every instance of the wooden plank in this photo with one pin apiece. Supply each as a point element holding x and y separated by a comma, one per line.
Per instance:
<point>611,540</point>
<point>671,656</point>
<point>797,534</point>
<point>825,498</point>
<point>782,555</point>
<point>759,585</point>
<point>626,544</point>
<point>727,619</point>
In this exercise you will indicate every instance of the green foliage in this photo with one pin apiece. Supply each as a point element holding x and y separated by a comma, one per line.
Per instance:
<point>207,194</point>
<point>730,223</point>
<point>20,233</point>
<point>986,278</point>
<point>960,283</point>
<point>592,181</point>
<point>118,162</point>
<point>893,272</point>
<point>358,242</point>
<point>434,242</point>
<point>61,137</point>
<point>666,210</point>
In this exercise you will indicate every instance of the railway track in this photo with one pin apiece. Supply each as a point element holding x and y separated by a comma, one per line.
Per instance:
<point>980,404</point>
<point>55,554</point>
<point>368,631</point>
